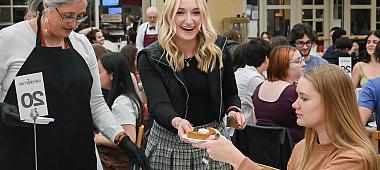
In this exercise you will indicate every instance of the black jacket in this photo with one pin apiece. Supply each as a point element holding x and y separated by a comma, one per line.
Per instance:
<point>167,93</point>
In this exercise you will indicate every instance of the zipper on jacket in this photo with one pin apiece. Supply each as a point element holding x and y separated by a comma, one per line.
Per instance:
<point>183,84</point>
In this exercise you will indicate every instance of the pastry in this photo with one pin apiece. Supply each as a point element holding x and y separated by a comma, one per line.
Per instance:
<point>202,133</point>
<point>231,122</point>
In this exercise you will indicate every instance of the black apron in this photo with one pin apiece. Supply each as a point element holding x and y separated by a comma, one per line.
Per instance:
<point>67,143</point>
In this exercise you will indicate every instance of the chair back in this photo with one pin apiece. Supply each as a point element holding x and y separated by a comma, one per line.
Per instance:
<point>375,137</point>
<point>140,136</point>
<point>266,145</point>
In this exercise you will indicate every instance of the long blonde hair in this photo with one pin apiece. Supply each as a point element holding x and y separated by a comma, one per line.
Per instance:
<point>340,115</point>
<point>206,52</point>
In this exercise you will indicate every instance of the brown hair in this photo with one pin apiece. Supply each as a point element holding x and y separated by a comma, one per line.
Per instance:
<point>340,116</point>
<point>99,50</point>
<point>279,62</point>
<point>130,53</point>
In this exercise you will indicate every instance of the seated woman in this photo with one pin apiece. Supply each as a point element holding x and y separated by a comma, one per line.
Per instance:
<point>368,68</point>
<point>124,103</point>
<point>335,137</point>
<point>272,100</point>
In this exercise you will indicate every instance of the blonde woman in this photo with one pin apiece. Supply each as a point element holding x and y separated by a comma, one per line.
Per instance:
<point>335,137</point>
<point>189,84</point>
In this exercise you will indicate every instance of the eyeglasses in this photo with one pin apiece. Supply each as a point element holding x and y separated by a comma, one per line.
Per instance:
<point>299,60</point>
<point>300,44</point>
<point>70,18</point>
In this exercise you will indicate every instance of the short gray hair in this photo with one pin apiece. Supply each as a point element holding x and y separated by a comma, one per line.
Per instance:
<point>34,5</point>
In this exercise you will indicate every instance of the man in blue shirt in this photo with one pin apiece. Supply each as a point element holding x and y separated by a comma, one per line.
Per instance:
<point>369,101</point>
<point>303,38</point>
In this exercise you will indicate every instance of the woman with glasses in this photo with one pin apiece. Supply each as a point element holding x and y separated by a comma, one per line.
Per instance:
<point>48,45</point>
<point>272,99</point>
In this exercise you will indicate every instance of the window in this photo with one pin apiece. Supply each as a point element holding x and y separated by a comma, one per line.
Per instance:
<point>312,2</point>
<point>360,2</point>
<point>360,22</point>
<point>278,2</point>
<point>11,11</point>
<point>278,21</point>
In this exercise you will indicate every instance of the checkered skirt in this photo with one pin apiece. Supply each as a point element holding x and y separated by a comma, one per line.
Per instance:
<point>166,151</point>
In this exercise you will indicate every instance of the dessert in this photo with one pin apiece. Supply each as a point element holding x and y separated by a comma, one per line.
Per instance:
<point>202,133</point>
<point>231,122</point>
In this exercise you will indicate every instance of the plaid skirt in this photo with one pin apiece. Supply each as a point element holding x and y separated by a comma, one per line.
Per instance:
<point>166,151</point>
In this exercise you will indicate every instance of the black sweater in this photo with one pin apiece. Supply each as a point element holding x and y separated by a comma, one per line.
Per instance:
<point>166,90</point>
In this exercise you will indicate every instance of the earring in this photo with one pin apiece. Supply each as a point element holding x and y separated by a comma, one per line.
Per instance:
<point>46,22</point>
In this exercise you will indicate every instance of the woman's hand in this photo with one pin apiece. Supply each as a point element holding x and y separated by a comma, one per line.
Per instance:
<point>182,125</point>
<point>222,150</point>
<point>240,118</point>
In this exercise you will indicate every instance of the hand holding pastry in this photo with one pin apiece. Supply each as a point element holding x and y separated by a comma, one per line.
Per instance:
<point>182,125</point>
<point>239,118</point>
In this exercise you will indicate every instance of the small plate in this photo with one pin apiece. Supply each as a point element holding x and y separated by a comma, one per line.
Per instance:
<point>40,120</point>
<point>192,140</point>
<point>372,124</point>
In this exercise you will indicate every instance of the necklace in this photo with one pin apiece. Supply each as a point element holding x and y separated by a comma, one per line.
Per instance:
<point>51,44</point>
<point>188,62</point>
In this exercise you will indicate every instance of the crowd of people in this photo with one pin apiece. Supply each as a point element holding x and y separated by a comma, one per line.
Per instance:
<point>176,75</point>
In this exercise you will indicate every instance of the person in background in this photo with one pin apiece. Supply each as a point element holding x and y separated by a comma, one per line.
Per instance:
<point>369,101</point>
<point>238,59</point>
<point>272,99</point>
<point>130,30</point>
<point>343,47</point>
<point>233,41</point>
<point>125,104</point>
<point>266,36</point>
<point>278,40</point>
<point>47,44</point>
<point>147,32</point>
<point>331,48</point>
<point>189,83</point>
<point>99,51</point>
<point>129,23</point>
<point>369,97</point>
<point>353,50</point>
<point>368,68</point>
<point>334,139</point>
<point>303,38</point>
<point>255,52</point>
<point>130,55</point>
<point>95,36</point>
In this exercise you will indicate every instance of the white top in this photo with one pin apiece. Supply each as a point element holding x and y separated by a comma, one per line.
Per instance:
<point>125,110</point>
<point>141,33</point>
<point>16,44</point>
<point>247,79</point>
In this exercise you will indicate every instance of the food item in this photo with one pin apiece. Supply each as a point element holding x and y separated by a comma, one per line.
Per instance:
<point>231,122</point>
<point>202,133</point>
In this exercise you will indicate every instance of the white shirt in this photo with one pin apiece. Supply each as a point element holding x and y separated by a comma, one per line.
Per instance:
<point>16,44</point>
<point>125,110</point>
<point>141,33</point>
<point>247,79</point>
